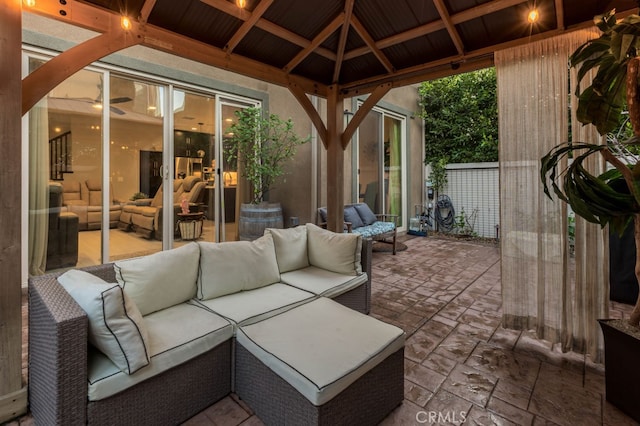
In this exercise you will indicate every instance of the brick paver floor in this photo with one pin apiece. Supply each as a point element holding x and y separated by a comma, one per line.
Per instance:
<point>461,366</point>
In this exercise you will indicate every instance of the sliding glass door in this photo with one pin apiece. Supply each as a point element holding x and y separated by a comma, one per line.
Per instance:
<point>380,163</point>
<point>112,158</point>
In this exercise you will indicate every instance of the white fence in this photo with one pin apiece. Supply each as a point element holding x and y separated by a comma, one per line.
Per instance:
<point>474,187</point>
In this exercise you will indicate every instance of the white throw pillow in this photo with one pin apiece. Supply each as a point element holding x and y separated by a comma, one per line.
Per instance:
<point>230,267</point>
<point>116,326</point>
<point>340,253</point>
<point>291,247</point>
<point>162,279</point>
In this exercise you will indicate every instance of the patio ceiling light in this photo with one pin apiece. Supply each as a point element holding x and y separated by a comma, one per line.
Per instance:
<point>241,3</point>
<point>125,23</point>
<point>30,3</point>
<point>533,15</point>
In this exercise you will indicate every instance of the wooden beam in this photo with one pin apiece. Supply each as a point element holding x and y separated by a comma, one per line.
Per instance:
<point>431,27</point>
<point>342,42</point>
<point>184,47</point>
<point>99,20</point>
<point>473,60</point>
<point>147,7</point>
<point>364,34</point>
<point>560,14</point>
<point>451,29</point>
<point>268,26</point>
<point>294,38</point>
<point>249,23</point>
<point>13,396</point>
<point>335,162</point>
<point>311,111</point>
<point>362,112</point>
<point>36,85</point>
<point>317,41</point>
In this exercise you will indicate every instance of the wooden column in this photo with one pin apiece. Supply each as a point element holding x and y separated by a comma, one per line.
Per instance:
<point>13,396</point>
<point>335,162</point>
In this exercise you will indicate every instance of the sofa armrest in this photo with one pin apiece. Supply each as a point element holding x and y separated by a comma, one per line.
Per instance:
<point>58,330</point>
<point>365,259</point>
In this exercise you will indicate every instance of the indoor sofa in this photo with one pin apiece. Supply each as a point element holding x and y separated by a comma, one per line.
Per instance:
<point>84,198</point>
<point>145,216</point>
<point>194,323</point>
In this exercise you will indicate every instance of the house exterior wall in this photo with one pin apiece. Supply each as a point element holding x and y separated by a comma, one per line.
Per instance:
<point>303,189</point>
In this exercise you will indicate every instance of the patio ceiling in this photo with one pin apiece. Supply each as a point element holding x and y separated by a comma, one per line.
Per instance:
<point>356,45</point>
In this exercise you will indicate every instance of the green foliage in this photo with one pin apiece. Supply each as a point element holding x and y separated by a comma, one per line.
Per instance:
<point>261,144</point>
<point>600,199</point>
<point>461,117</point>
<point>602,102</point>
<point>464,224</point>
<point>438,176</point>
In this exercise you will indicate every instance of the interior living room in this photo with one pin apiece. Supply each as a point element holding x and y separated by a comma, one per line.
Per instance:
<point>73,112</point>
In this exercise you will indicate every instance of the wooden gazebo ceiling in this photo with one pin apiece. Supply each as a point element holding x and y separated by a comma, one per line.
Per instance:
<point>354,44</point>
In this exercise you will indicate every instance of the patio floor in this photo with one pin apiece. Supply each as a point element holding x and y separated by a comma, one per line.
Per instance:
<point>459,363</point>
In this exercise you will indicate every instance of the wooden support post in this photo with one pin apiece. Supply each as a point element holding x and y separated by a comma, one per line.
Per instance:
<point>13,396</point>
<point>335,162</point>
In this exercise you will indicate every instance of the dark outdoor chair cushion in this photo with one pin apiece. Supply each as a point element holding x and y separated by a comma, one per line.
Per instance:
<point>367,216</point>
<point>351,215</point>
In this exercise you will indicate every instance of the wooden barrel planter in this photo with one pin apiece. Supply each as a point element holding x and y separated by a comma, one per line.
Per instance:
<point>255,218</point>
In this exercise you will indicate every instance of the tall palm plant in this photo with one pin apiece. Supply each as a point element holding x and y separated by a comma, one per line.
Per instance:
<point>612,198</point>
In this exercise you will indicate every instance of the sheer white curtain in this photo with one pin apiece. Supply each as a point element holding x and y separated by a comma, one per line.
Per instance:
<point>538,287</point>
<point>38,187</point>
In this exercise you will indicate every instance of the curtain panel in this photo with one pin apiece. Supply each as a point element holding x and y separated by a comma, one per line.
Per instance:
<point>542,290</point>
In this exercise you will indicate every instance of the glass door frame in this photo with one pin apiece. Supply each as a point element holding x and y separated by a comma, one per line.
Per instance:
<point>233,102</point>
<point>383,113</point>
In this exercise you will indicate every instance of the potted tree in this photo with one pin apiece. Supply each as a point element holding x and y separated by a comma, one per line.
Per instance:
<point>612,198</point>
<point>260,144</point>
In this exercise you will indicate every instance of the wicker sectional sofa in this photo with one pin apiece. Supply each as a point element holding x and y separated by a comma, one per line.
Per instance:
<point>163,332</point>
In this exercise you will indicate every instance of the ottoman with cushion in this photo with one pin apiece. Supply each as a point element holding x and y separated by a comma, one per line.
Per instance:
<point>320,363</point>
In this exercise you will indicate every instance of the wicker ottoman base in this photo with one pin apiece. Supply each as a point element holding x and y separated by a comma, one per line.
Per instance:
<point>365,402</point>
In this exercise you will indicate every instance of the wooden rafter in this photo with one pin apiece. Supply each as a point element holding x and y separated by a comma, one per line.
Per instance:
<point>560,14</point>
<point>431,27</point>
<point>344,33</point>
<point>268,26</point>
<point>145,11</point>
<point>317,41</point>
<point>364,34</point>
<point>101,20</point>
<point>248,24</point>
<point>36,85</point>
<point>311,111</point>
<point>451,29</point>
<point>470,61</point>
<point>362,112</point>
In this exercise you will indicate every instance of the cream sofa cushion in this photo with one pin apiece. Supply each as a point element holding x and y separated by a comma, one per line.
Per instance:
<point>321,347</point>
<point>116,326</point>
<point>291,248</point>
<point>230,267</point>
<point>176,334</point>
<point>334,252</point>
<point>162,279</point>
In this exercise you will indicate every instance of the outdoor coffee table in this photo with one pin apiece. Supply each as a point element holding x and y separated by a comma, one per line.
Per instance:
<point>320,363</point>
